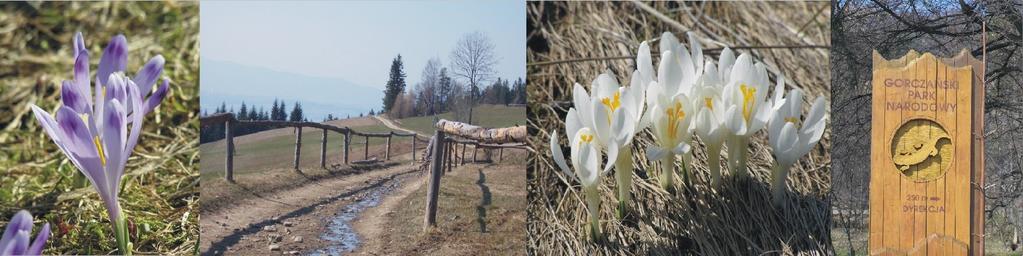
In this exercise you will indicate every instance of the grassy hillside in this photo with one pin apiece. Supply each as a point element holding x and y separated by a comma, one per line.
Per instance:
<point>277,150</point>
<point>483,115</point>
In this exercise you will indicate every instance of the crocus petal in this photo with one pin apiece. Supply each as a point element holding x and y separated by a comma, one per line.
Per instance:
<point>612,155</point>
<point>572,123</point>
<point>78,45</point>
<point>136,119</point>
<point>114,135</point>
<point>71,97</point>
<point>18,244</point>
<point>725,62</point>
<point>668,43</point>
<point>40,242</point>
<point>623,127</point>
<point>681,149</point>
<point>21,221</point>
<point>669,72</point>
<point>115,59</point>
<point>644,64</point>
<point>79,139</point>
<point>81,78</point>
<point>559,156</point>
<point>589,160</point>
<point>150,72</point>
<point>157,96</point>
<point>116,88</point>
<point>697,52</point>
<point>600,122</point>
<point>654,153</point>
<point>581,102</point>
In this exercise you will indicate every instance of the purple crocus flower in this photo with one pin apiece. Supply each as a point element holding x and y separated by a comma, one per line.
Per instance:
<point>92,128</point>
<point>16,237</point>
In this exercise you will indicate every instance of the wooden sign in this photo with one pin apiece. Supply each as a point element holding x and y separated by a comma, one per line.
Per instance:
<point>923,158</point>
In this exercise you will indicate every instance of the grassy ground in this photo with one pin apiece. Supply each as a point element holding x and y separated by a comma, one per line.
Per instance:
<point>473,199</point>
<point>277,152</point>
<point>484,115</point>
<point>161,187</point>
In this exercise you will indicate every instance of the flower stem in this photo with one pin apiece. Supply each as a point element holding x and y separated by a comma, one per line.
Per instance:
<point>121,234</point>
<point>593,207</point>
<point>714,163</point>
<point>667,172</point>
<point>623,174</point>
<point>778,175</point>
<point>741,155</point>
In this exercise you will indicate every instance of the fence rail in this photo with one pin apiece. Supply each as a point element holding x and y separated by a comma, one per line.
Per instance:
<point>230,123</point>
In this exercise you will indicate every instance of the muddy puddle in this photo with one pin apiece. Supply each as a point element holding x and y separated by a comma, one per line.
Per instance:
<point>340,233</point>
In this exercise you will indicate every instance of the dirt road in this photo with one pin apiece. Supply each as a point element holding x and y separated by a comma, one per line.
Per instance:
<point>289,220</point>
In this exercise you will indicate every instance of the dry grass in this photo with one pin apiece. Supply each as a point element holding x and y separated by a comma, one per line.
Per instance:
<point>161,186</point>
<point>574,42</point>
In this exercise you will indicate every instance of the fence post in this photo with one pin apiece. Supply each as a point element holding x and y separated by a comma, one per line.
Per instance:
<point>323,150</point>
<point>450,150</point>
<point>414,147</point>
<point>348,140</point>
<point>229,161</point>
<point>387,150</point>
<point>475,148</point>
<point>462,162</point>
<point>366,155</point>
<point>500,155</point>
<point>435,172</point>
<point>298,145</point>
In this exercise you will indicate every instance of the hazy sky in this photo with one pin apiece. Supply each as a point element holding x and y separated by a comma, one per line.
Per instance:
<point>356,41</point>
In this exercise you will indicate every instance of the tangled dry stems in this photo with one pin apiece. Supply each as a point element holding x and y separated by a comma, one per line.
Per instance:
<point>736,219</point>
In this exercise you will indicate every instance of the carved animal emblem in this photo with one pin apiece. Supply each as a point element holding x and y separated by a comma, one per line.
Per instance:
<point>921,149</point>
<point>906,157</point>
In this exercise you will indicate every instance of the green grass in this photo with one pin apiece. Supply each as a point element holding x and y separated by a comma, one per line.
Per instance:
<point>160,191</point>
<point>279,151</point>
<point>493,116</point>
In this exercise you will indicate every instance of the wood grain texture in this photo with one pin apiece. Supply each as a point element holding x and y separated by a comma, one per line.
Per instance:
<point>921,154</point>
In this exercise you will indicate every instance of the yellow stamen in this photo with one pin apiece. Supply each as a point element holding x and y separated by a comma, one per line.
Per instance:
<point>99,148</point>
<point>675,115</point>
<point>585,138</point>
<point>747,100</point>
<point>612,104</point>
<point>793,120</point>
<point>709,102</point>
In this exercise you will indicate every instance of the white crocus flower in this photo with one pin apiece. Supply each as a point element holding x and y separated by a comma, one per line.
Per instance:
<point>709,125</point>
<point>746,88</point>
<point>671,119</point>
<point>791,138</point>
<point>586,160</point>
<point>613,113</point>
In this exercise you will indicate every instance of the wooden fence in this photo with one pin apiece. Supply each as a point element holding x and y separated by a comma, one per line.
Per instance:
<point>442,153</point>
<point>230,122</point>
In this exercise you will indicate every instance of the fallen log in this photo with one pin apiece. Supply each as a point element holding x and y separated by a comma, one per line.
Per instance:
<point>486,135</point>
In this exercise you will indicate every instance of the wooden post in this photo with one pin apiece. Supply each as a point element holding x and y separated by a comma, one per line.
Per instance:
<point>500,155</point>
<point>475,149</point>
<point>462,162</point>
<point>414,147</point>
<point>229,161</point>
<point>366,155</point>
<point>387,150</point>
<point>323,150</point>
<point>451,154</point>
<point>435,172</point>
<point>348,141</point>
<point>298,145</point>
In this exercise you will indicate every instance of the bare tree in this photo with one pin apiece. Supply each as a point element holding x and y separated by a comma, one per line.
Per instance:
<point>473,61</point>
<point>427,89</point>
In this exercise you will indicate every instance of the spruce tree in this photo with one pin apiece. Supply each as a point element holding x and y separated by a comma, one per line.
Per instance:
<point>296,113</point>
<point>395,83</point>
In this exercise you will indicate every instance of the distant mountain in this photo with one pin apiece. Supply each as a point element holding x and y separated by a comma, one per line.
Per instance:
<point>233,83</point>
